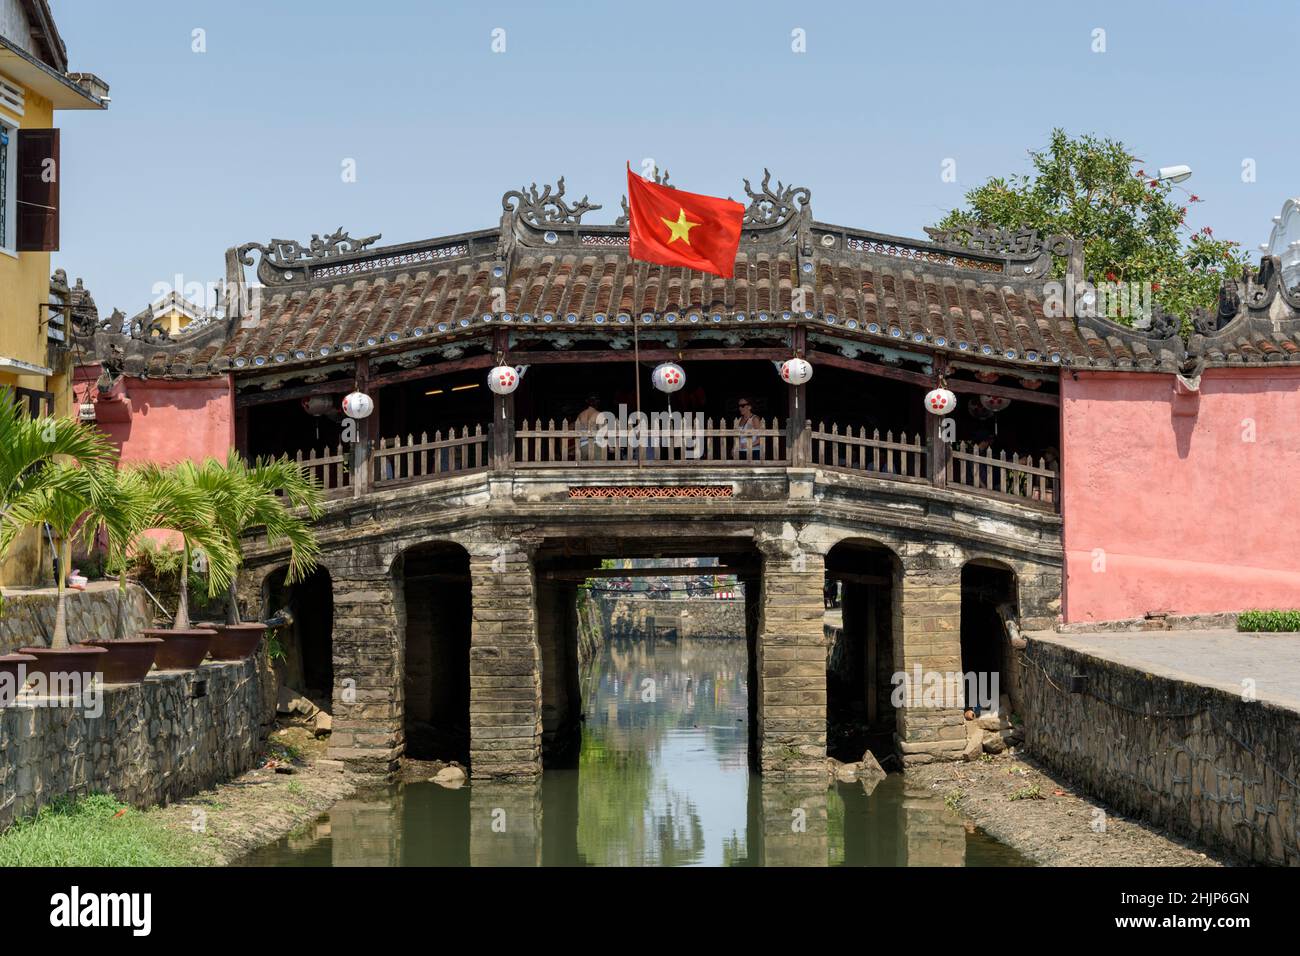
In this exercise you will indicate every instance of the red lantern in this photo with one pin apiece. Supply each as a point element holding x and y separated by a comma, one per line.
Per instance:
<point>994,403</point>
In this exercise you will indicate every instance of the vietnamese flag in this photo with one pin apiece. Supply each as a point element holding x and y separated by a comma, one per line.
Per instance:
<point>676,228</point>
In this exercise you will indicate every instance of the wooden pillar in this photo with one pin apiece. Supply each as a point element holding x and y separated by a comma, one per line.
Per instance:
<point>937,449</point>
<point>361,461</point>
<point>799,434</point>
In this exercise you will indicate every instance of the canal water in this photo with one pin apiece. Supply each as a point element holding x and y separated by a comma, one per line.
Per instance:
<point>662,780</point>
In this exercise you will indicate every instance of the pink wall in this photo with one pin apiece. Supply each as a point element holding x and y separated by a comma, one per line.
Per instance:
<point>1190,517</point>
<point>161,420</point>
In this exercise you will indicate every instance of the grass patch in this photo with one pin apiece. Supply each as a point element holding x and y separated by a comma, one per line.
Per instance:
<point>1268,621</point>
<point>1027,793</point>
<point>96,830</point>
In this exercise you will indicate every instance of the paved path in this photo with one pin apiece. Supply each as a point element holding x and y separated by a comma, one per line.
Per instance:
<point>1216,658</point>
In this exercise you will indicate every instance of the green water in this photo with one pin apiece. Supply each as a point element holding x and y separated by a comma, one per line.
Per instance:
<point>662,780</point>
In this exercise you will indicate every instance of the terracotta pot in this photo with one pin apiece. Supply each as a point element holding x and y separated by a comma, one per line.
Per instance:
<point>77,659</point>
<point>128,660</point>
<point>9,664</point>
<point>181,650</point>
<point>234,642</point>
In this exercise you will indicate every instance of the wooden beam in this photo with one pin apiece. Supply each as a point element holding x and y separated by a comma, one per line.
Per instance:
<point>582,575</point>
<point>650,355</point>
<point>1002,391</point>
<point>249,399</point>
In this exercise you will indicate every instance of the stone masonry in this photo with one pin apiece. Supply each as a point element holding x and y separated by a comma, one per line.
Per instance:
<point>792,664</point>
<point>176,734</point>
<point>504,664</point>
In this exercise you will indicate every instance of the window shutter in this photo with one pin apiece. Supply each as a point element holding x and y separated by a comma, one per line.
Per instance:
<point>38,190</point>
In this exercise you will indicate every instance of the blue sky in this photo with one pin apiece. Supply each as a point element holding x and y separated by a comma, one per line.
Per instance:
<point>246,141</point>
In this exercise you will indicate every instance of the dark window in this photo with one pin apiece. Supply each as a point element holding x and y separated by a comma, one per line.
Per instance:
<point>38,190</point>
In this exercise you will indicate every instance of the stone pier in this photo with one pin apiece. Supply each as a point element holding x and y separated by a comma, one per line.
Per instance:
<point>505,694</point>
<point>792,664</point>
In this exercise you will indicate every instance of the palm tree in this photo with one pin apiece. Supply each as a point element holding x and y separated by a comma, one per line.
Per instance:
<point>28,447</point>
<point>74,502</point>
<point>187,498</point>
<point>262,496</point>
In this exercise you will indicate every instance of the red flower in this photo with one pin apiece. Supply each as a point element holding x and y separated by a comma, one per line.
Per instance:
<point>1142,173</point>
<point>1110,276</point>
<point>1195,198</point>
<point>1155,182</point>
<point>1208,231</point>
<point>1155,287</point>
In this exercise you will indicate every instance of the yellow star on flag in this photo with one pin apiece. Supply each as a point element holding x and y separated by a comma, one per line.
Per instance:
<point>681,229</point>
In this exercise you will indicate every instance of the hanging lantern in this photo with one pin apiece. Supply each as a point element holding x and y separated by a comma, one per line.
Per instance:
<point>988,378</point>
<point>940,401</point>
<point>994,403</point>
<point>503,379</point>
<point>796,371</point>
<point>358,405</point>
<point>977,410</point>
<point>318,404</point>
<point>1032,383</point>
<point>668,377</point>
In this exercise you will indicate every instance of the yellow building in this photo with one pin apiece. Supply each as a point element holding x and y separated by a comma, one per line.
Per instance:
<point>172,314</point>
<point>34,83</point>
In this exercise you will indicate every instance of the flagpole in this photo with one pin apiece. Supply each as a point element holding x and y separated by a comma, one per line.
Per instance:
<point>636,371</point>
<point>636,339</point>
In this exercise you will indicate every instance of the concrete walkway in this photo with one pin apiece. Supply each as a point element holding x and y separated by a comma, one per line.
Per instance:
<point>1214,658</point>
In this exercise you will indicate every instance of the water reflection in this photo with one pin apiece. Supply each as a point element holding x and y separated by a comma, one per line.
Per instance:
<point>662,780</point>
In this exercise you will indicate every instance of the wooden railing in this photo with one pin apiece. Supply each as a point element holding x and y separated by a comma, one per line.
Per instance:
<point>396,462</point>
<point>685,441</point>
<point>1018,478</point>
<point>329,468</point>
<point>888,457</point>
<point>681,442</point>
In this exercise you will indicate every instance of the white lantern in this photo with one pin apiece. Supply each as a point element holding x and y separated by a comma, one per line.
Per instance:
<point>796,371</point>
<point>358,405</point>
<point>668,377</point>
<point>994,403</point>
<point>503,379</point>
<point>940,401</point>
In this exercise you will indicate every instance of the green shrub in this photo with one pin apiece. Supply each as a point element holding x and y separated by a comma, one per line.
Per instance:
<point>1268,621</point>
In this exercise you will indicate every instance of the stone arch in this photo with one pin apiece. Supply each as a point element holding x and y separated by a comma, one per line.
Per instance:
<point>302,647</point>
<point>862,573</point>
<point>989,597</point>
<point>433,606</point>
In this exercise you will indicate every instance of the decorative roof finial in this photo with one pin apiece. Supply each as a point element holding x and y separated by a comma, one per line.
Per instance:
<point>545,208</point>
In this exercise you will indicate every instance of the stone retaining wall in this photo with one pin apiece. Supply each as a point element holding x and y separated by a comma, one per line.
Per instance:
<point>1213,769</point>
<point>27,618</point>
<point>693,617</point>
<point>176,734</point>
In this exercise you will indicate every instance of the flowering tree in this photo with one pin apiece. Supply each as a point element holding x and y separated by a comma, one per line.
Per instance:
<point>1132,226</point>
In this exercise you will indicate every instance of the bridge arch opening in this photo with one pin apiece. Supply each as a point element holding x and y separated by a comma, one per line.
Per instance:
<point>437,612</point>
<point>988,596</point>
<point>303,649</point>
<point>861,578</point>
<point>669,629</point>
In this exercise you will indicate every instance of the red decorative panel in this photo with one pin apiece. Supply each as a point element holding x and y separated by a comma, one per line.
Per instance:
<point>651,491</point>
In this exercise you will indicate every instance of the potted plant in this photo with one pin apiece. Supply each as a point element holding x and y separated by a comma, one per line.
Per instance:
<point>187,498</point>
<point>29,478</point>
<point>263,495</point>
<point>128,659</point>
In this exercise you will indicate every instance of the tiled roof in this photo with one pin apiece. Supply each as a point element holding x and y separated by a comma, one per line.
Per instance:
<point>340,295</point>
